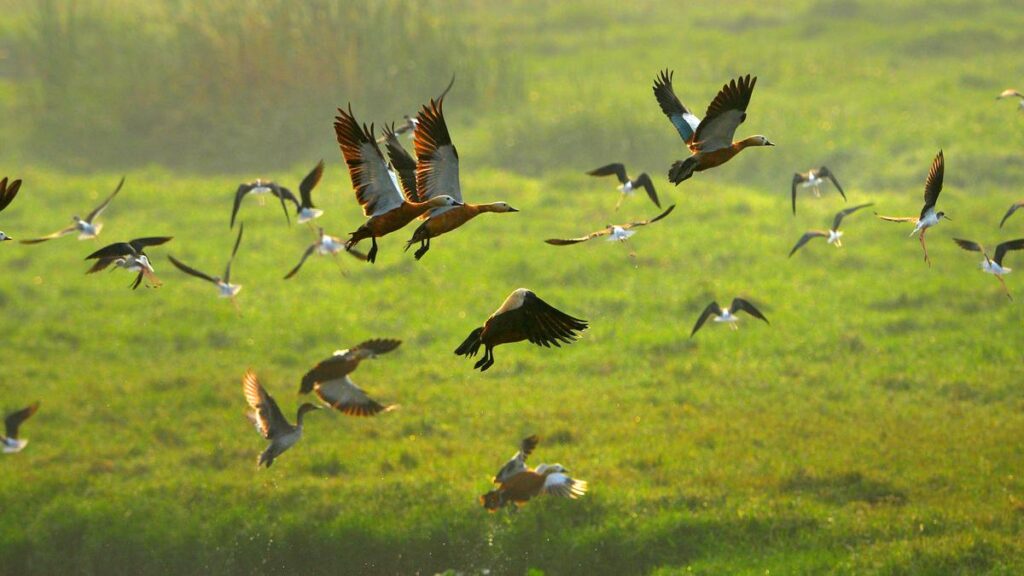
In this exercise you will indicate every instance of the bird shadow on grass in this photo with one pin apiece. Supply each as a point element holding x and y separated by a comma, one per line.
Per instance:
<point>844,488</point>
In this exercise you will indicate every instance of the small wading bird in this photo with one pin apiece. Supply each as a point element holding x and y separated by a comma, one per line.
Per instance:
<point>224,286</point>
<point>517,484</point>
<point>614,232</point>
<point>87,229</point>
<point>306,211</point>
<point>710,139</point>
<point>130,256</point>
<point>523,316</point>
<point>7,194</point>
<point>260,188</point>
<point>1016,206</point>
<point>10,441</point>
<point>1011,93</point>
<point>626,185</point>
<point>728,315</point>
<point>993,266</point>
<point>376,191</point>
<point>929,217</point>
<point>269,420</point>
<point>325,245</point>
<point>329,379</point>
<point>410,123</point>
<point>437,174</point>
<point>812,179</point>
<point>833,234</point>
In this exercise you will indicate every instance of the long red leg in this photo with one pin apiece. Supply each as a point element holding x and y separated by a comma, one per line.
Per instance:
<point>1005,289</point>
<point>925,247</point>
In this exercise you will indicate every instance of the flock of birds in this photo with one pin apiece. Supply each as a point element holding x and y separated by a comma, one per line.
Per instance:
<point>395,190</point>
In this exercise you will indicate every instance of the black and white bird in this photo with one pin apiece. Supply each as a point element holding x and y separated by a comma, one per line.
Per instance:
<point>1013,208</point>
<point>130,256</point>
<point>269,421</point>
<point>7,193</point>
<point>224,286</point>
<point>87,227</point>
<point>928,217</point>
<point>614,232</point>
<point>833,234</point>
<point>325,245</point>
<point>813,179</point>
<point>10,441</point>
<point>727,315</point>
<point>994,265</point>
<point>329,379</point>
<point>627,185</point>
<point>409,123</point>
<point>260,188</point>
<point>306,211</point>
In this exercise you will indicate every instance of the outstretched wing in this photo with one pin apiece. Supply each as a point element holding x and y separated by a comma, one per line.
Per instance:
<point>310,182</point>
<point>619,170</point>
<point>561,485</point>
<point>933,185</point>
<point>798,178</point>
<point>712,309</point>
<point>897,218</point>
<point>115,250</point>
<point>139,244</point>
<point>344,396</point>
<point>645,181</point>
<point>969,245</point>
<point>844,213</point>
<point>725,113</point>
<point>741,304</point>
<point>683,120</point>
<point>824,171</point>
<point>302,261</point>
<point>8,192</point>
<point>1005,247</point>
<point>103,206</point>
<point>570,241</point>
<point>240,193</point>
<point>57,234</point>
<point>403,163</point>
<point>344,362</point>
<point>189,270</point>
<point>517,463</point>
<point>375,190</point>
<point>265,413</point>
<point>283,194</point>
<point>1016,206</point>
<point>437,173</point>
<point>238,240</point>
<point>15,419</point>
<point>807,238</point>
<point>545,325</point>
<point>651,221</point>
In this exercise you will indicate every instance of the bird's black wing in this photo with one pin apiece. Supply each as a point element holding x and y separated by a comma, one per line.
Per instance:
<point>644,180</point>
<point>844,213</point>
<point>1016,206</point>
<point>741,304</point>
<point>238,240</point>
<point>305,255</point>
<point>712,309</point>
<point>103,205</point>
<point>619,170</point>
<point>189,270</point>
<point>14,420</point>
<point>807,238</point>
<point>933,185</point>
<point>310,182</point>
<point>545,325</point>
<point>1005,247</point>
<point>240,193</point>
<point>824,171</point>
<point>139,244</point>
<point>8,192</point>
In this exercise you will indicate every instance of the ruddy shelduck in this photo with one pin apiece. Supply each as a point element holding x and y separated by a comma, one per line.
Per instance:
<point>269,421</point>
<point>517,483</point>
<point>329,379</point>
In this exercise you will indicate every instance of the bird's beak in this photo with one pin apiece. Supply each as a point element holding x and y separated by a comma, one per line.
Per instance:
<point>947,217</point>
<point>8,238</point>
<point>769,143</point>
<point>460,203</point>
<point>511,209</point>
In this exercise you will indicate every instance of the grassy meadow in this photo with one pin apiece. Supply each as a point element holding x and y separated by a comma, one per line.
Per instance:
<point>873,428</point>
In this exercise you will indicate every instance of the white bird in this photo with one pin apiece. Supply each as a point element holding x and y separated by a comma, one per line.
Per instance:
<point>324,245</point>
<point>224,286</point>
<point>833,234</point>
<point>727,315</point>
<point>87,227</point>
<point>307,212</point>
<point>813,179</point>
<point>993,266</point>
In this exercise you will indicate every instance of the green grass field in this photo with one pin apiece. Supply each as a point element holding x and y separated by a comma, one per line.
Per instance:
<point>873,428</point>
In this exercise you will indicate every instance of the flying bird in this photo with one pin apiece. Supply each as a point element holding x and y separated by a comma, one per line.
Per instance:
<point>833,234</point>
<point>324,245</point>
<point>87,228</point>
<point>523,316</point>
<point>224,286</point>
<point>10,441</point>
<point>269,420</point>
<point>928,217</point>
<point>517,483</point>
<point>329,379</point>
<point>1013,208</point>
<point>130,256</point>
<point>7,194</point>
<point>410,122</point>
<point>260,188</point>
<point>614,232</point>
<point>728,315</point>
<point>990,265</point>
<point>709,140</point>
<point>812,179</point>
<point>376,191</point>
<point>1011,93</point>
<point>306,211</point>
<point>626,185</point>
<point>437,174</point>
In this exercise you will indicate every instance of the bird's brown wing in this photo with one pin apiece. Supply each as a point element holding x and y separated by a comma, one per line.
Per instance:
<point>375,191</point>
<point>267,416</point>
<point>545,325</point>
<point>344,396</point>
<point>651,221</point>
<point>724,115</point>
<point>57,234</point>
<point>933,185</point>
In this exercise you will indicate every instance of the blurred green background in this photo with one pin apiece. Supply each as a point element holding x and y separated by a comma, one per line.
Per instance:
<point>873,428</point>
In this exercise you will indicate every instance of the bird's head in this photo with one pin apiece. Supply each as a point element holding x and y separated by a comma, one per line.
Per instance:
<point>544,469</point>
<point>759,140</point>
<point>501,207</point>
<point>4,237</point>
<point>943,215</point>
<point>307,407</point>
<point>442,201</point>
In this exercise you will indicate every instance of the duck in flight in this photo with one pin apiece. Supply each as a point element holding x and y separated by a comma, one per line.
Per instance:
<point>627,185</point>
<point>130,256</point>
<point>813,179</point>
<point>517,483</point>
<point>994,265</point>
<point>224,286</point>
<point>523,316</point>
<point>709,140</point>
<point>269,421</point>
<point>437,174</point>
<point>260,188</point>
<point>728,315</point>
<point>87,227</point>
<point>833,234</point>
<point>928,217</point>
<point>614,232</point>
<point>7,194</point>
<point>329,379</point>
<point>387,210</point>
<point>10,441</point>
